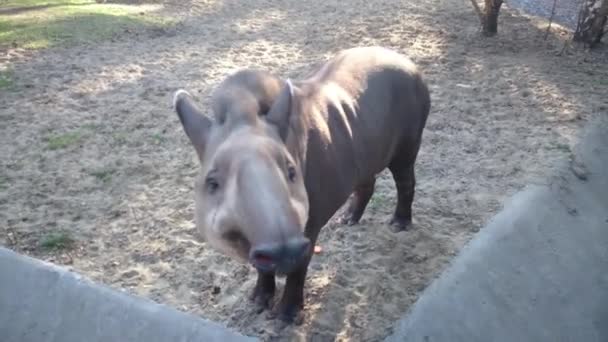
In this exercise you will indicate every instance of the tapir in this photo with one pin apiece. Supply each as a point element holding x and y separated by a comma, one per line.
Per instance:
<point>270,180</point>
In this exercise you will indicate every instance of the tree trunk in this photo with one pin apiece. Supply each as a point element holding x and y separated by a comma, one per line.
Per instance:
<point>490,17</point>
<point>591,22</point>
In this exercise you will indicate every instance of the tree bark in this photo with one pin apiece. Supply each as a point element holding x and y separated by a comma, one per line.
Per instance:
<point>477,10</point>
<point>591,22</point>
<point>490,17</point>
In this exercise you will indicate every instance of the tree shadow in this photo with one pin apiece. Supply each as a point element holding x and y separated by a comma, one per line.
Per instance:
<point>22,9</point>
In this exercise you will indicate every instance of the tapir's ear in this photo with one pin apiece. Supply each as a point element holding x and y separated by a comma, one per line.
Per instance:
<point>280,111</point>
<point>196,124</point>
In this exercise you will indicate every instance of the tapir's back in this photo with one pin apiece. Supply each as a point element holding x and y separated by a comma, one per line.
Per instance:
<point>376,100</point>
<point>367,105</point>
<point>349,67</point>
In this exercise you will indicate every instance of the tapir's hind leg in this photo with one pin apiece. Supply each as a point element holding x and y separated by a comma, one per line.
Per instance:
<point>358,201</point>
<point>402,168</point>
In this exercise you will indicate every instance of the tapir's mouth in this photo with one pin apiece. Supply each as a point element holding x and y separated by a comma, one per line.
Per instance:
<point>280,258</point>
<point>282,267</point>
<point>263,263</point>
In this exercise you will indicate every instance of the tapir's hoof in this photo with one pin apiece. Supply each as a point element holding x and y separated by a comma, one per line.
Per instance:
<point>399,224</point>
<point>348,220</point>
<point>261,298</point>
<point>287,314</point>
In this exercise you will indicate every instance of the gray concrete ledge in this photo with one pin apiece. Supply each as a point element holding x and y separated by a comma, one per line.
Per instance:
<point>537,272</point>
<point>41,302</point>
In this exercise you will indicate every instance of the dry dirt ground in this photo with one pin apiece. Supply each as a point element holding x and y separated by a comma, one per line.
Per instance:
<point>91,147</point>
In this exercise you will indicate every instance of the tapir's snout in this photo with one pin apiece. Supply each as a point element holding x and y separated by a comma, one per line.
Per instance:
<point>282,258</point>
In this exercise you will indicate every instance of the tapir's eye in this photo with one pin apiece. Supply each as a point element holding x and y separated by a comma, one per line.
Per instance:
<point>211,185</point>
<point>233,236</point>
<point>291,173</point>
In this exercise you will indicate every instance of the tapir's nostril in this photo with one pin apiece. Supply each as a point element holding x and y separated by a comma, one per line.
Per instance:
<point>269,257</point>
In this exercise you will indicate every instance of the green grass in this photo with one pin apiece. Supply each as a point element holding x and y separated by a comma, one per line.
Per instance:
<point>60,141</point>
<point>38,24</point>
<point>563,147</point>
<point>560,147</point>
<point>158,138</point>
<point>3,182</point>
<point>34,3</point>
<point>6,79</point>
<point>378,201</point>
<point>57,241</point>
<point>602,81</point>
<point>91,126</point>
<point>120,138</point>
<point>103,175</point>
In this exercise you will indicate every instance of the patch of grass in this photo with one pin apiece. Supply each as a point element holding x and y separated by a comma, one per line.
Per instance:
<point>158,138</point>
<point>103,175</point>
<point>120,138</point>
<point>26,4</point>
<point>378,201</point>
<point>63,140</point>
<point>561,147</point>
<point>57,241</point>
<point>3,182</point>
<point>6,79</point>
<point>37,24</point>
<point>91,126</point>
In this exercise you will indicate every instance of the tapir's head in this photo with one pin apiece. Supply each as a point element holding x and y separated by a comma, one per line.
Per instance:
<point>251,202</point>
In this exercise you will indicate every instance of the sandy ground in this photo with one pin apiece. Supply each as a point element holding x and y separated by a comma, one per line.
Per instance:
<point>504,111</point>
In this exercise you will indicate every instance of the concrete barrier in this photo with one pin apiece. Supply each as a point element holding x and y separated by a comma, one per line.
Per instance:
<point>41,302</point>
<point>537,272</point>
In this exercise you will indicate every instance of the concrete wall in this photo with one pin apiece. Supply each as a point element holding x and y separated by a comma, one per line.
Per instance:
<point>537,272</point>
<point>41,302</point>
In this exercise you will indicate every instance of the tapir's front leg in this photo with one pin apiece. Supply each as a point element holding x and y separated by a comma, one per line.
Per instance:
<point>292,301</point>
<point>263,291</point>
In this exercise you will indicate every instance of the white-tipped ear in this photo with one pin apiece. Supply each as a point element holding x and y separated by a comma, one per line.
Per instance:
<point>289,86</point>
<point>280,111</point>
<point>179,94</point>
<point>196,124</point>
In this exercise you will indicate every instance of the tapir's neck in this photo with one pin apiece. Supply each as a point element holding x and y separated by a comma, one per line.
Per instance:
<point>297,139</point>
<point>326,162</point>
